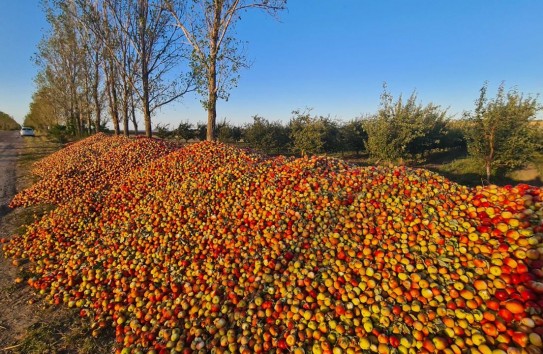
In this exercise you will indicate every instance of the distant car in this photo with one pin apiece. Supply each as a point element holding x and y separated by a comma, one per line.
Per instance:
<point>25,131</point>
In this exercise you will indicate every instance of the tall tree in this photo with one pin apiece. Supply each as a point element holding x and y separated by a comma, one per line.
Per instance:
<point>7,122</point>
<point>60,58</point>
<point>143,56</point>
<point>44,111</point>
<point>499,133</point>
<point>209,27</point>
<point>150,51</point>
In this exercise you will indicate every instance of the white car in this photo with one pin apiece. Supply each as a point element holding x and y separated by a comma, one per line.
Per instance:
<point>25,131</point>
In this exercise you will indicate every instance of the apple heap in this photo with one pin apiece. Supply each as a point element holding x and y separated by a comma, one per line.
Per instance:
<point>211,248</point>
<point>89,166</point>
<point>73,153</point>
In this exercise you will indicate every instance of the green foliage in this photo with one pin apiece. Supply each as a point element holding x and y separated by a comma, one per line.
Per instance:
<point>43,110</point>
<point>499,131</point>
<point>58,134</point>
<point>269,137</point>
<point>228,133</point>
<point>185,131</point>
<point>163,131</point>
<point>201,131</point>
<point>401,130</point>
<point>454,136</point>
<point>7,122</point>
<point>537,130</point>
<point>352,136</point>
<point>312,135</point>
<point>431,128</point>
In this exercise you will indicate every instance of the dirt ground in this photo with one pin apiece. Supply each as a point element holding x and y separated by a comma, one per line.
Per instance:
<point>16,314</point>
<point>27,324</point>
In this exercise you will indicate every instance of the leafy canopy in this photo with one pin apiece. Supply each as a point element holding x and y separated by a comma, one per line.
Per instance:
<point>402,129</point>
<point>500,133</point>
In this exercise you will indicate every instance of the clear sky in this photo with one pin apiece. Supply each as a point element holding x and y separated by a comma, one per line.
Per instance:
<point>333,56</point>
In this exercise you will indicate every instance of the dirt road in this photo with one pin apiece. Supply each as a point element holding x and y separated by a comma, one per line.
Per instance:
<point>10,145</point>
<point>15,312</point>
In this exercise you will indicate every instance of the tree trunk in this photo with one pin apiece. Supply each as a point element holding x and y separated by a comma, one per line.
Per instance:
<point>212,73</point>
<point>125,104</point>
<point>114,108</point>
<point>135,123</point>
<point>212,104</point>
<point>125,124</point>
<point>146,110</point>
<point>112,96</point>
<point>96,97</point>
<point>490,157</point>
<point>89,123</point>
<point>133,115</point>
<point>143,8</point>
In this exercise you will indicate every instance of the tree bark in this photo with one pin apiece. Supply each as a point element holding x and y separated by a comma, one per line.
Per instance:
<point>145,69</point>
<point>212,73</point>
<point>125,122</point>
<point>113,104</point>
<point>96,95</point>
<point>133,115</point>
<point>212,103</point>
<point>490,157</point>
<point>146,110</point>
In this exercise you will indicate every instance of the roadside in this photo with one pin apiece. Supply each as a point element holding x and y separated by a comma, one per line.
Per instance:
<point>16,313</point>
<point>27,324</point>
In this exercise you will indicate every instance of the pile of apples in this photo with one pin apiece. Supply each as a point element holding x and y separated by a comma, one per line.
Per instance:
<point>89,166</point>
<point>211,248</point>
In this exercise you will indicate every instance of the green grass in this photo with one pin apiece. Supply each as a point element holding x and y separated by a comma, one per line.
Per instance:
<point>63,332</point>
<point>464,170</point>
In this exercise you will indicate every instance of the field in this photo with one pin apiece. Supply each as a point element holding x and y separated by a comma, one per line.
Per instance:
<point>212,248</point>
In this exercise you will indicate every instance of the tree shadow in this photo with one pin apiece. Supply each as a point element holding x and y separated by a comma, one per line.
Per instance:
<point>475,179</point>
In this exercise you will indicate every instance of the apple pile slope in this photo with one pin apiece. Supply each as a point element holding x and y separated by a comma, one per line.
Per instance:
<point>88,166</point>
<point>214,248</point>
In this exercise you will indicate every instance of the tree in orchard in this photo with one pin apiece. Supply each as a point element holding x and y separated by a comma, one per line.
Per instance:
<point>499,132</point>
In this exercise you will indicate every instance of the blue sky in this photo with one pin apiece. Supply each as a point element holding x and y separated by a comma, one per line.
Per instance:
<point>333,56</point>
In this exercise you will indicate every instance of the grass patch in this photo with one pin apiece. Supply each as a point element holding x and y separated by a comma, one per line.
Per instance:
<point>20,218</point>
<point>470,172</point>
<point>64,333</point>
<point>466,171</point>
<point>538,163</point>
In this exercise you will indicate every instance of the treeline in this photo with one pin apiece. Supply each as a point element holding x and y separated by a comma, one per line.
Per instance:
<point>119,60</point>
<point>500,133</point>
<point>7,122</point>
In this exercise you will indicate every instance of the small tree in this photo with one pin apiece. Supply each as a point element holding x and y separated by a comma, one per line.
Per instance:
<point>352,136</point>
<point>163,131</point>
<point>499,132</point>
<point>228,133</point>
<point>270,137</point>
<point>185,131</point>
<point>312,135</point>
<point>201,131</point>
<point>400,130</point>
